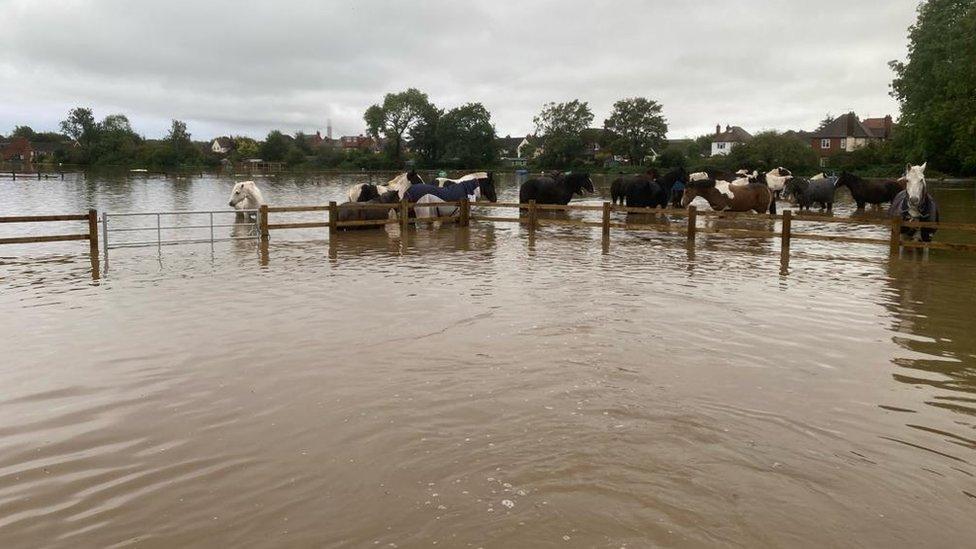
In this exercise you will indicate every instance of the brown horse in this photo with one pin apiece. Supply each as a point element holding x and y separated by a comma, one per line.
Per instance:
<point>735,198</point>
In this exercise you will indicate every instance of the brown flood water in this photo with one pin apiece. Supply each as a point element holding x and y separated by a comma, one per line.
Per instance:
<point>480,387</point>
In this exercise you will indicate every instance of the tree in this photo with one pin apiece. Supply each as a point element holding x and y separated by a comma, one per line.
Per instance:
<point>275,147</point>
<point>80,126</point>
<point>768,150</point>
<point>424,139</point>
<point>24,131</point>
<point>467,136</point>
<point>637,127</point>
<point>245,147</point>
<point>827,120</point>
<point>394,119</point>
<point>113,142</point>
<point>560,126</point>
<point>179,141</point>
<point>937,85</point>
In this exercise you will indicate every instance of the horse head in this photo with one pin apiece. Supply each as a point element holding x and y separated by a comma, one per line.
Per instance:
<point>487,187</point>
<point>414,178</point>
<point>368,192</point>
<point>915,188</point>
<point>794,188</point>
<point>245,190</point>
<point>845,179</point>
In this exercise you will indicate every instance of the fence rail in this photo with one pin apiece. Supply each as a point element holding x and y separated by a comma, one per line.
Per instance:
<point>527,214</point>
<point>91,236</point>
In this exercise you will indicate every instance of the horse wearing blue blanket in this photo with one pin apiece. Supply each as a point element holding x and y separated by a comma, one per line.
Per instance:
<point>465,188</point>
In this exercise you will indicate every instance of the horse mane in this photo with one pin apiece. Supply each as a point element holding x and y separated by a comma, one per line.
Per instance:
<point>701,184</point>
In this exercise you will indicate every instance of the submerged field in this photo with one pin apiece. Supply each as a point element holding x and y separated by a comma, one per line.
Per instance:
<point>479,387</point>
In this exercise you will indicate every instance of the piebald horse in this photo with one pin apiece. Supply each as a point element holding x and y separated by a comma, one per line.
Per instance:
<point>733,198</point>
<point>362,192</point>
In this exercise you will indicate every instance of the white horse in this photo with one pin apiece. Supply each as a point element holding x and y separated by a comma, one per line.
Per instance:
<point>399,184</point>
<point>246,196</point>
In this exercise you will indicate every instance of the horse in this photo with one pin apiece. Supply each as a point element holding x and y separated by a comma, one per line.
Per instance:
<point>362,192</point>
<point>245,196</point>
<point>740,198</point>
<point>807,192</point>
<point>777,178</point>
<point>350,211</point>
<point>464,189</point>
<point>622,187</point>
<point>555,188</point>
<point>447,182</point>
<point>869,192</point>
<point>915,204</point>
<point>673,184</point>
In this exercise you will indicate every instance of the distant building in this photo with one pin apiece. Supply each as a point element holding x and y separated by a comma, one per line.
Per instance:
<point>361,142</point>
<point>847,133</point>
<point>18,149</point>
<point>222,145</point>
<point>510,150</point>
<point>723,142</point>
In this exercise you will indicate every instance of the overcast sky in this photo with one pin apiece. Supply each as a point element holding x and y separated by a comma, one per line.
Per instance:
<point>240,67</point>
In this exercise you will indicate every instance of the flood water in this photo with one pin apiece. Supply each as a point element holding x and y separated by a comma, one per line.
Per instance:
<point>478,387</point>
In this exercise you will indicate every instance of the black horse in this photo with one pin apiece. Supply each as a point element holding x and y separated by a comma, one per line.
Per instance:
<point>555,189</point>
<point>351,211</point>
<point>869,192</point>
<point>622,186</point>
<point>673,184</point>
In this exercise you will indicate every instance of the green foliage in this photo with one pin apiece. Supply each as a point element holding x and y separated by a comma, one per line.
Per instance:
<point>636,127</point>
<point>673,157</point>
<point>937,86</point>
<point>275,147</point>
<point>424,139</point>
<point>467,136</point>
<point>245,148</point>
<point>560,126</point>
<point>882,159</point>
<point>768,150</point>
<point>396,117</point>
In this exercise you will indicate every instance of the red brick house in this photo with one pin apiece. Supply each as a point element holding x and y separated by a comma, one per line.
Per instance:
<point>848,133</point>
<point>18,149</point>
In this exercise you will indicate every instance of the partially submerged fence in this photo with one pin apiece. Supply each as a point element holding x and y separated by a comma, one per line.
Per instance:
<point>91,236</point>
<point>527,214</point>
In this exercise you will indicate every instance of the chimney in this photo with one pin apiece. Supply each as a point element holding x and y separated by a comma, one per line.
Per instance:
<point>887,126</point>
<point>328,129</point>
<point>728,128</point>
<point>851,117</point>
<point>718,129</point>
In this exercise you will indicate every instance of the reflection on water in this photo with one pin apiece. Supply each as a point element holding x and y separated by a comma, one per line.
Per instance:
<point>487,386</point>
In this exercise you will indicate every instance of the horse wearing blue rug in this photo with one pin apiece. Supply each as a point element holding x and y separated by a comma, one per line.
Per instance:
<point>462,190</point>
<point>915,204</point>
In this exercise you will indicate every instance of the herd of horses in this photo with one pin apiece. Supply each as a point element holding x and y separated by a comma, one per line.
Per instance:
<point>741,191</point>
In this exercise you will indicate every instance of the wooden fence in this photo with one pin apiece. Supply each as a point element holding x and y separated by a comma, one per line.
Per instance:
<point>529,215</point>
<point>91,236</point>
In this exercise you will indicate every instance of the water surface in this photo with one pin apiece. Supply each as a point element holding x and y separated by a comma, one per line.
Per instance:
<point>479,387</point>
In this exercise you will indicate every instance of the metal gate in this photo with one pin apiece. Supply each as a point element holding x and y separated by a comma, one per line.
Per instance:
<point>243,220</point>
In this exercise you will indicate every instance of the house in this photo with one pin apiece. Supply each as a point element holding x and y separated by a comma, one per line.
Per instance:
<point>723,142</point>
<point>510,150</point>
<point>847,133</point>
<point>18,149</point>
<point>222,145</point>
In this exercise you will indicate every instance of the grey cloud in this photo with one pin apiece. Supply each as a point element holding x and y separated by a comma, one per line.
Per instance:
<point>247,67</point>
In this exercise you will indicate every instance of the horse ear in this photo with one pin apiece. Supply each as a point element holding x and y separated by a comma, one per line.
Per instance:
<point>908,167</point>
<point>924,164</point>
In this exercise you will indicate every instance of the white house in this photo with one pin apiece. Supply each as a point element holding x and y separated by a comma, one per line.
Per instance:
<point>222,145</point>
<point>723,142</point>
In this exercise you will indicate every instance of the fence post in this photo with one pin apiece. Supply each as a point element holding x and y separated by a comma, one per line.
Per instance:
<point>606,220</point>
<point>404,217</point>
<point>465,212</point>
<point>692,224</point>
<point>263,222</point>
<point>333,218</point>
<point>784,247</point>
<point>532,214</point>
<point>895,235</point>
<point>93,232</point>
